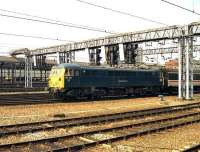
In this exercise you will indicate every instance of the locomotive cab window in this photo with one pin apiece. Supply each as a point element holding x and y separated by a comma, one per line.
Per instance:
<point>71,72</point>
<point>66,72</point>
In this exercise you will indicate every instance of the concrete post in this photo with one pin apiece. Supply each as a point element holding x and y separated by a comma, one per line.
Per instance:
<point>103,55</point>
<point>121,53</point>
<point>34,61</point>
<point>58,58</point>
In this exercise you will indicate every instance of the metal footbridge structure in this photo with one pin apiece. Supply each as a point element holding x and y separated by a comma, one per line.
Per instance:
<point>128,48</point>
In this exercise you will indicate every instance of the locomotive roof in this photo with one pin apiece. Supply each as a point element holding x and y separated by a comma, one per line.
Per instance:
<point>77,66</point>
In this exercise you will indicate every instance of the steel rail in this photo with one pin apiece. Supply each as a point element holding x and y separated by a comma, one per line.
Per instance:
<point>194,148</point>
<point>101,130</point>
<point>17,99</point>
<point>126,136</point>
<point>68,122</point>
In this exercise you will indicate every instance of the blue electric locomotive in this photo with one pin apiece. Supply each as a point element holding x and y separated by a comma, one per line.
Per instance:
<point>73,80</point>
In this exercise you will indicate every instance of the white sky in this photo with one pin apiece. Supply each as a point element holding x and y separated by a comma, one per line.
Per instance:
<point>79,13</point>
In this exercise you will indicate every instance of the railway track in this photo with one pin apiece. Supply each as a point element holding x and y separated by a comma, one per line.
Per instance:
<point>22,99</point>
<point>182,113</point>
<point>27,102</point>
<point>77,121</point>
<point>194,148</point>
<point>40,98</point>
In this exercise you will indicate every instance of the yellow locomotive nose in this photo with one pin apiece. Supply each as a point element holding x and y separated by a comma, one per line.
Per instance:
<point>56,79</point>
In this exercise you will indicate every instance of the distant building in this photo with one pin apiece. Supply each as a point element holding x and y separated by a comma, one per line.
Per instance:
<point>171,64</point>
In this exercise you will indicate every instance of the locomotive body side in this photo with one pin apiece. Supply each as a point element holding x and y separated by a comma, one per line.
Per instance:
<point>82,81</point>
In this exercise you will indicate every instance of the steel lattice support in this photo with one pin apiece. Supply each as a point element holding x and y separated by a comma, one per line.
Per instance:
<point>189,65</point>
<point>185,53</point>
<point>189,69</point>
<point>181,68</point>
<point>157,34</point>
<point>28,72</point>
<point>170,32</point>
